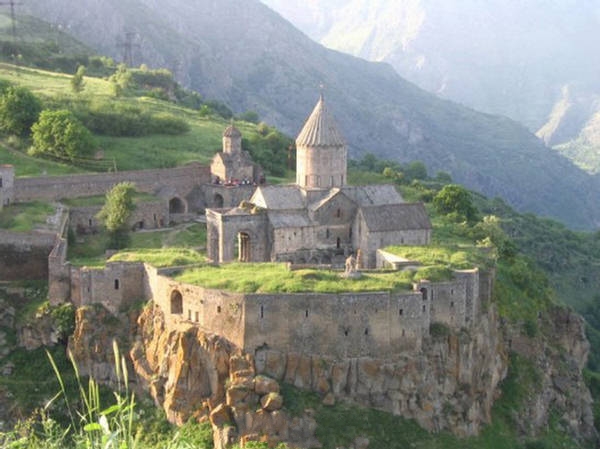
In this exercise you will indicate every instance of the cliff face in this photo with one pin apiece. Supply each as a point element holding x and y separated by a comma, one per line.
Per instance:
<point>451,384</point>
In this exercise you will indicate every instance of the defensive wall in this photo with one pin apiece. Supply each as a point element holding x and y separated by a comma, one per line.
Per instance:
<point>178,182</point>
<point>24,255</point>
<point>343,325</point>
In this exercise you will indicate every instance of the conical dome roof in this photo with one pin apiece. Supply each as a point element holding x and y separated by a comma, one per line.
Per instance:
<point>320,129</point>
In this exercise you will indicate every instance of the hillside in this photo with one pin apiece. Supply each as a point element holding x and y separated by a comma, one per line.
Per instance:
<point>484,55</point>
<point>248,57</point>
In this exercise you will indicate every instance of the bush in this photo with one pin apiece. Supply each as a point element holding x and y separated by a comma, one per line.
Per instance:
<point>59,134</point>
<point>455,199</point>
<point>19,110</point>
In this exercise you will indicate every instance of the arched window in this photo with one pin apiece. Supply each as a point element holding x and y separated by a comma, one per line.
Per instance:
<point>176,302</point>
<point>218,201</point>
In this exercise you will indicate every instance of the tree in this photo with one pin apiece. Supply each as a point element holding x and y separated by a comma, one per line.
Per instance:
<point>77,83</point>
<point>456,200</point>
<point>61,135</point>
<point>116,211</point>
<point>19,110</point>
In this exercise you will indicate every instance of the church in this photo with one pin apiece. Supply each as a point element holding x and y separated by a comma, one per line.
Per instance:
<point>319,220</point>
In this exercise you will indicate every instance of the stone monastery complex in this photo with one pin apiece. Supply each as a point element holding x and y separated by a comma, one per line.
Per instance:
<point>318,221</point>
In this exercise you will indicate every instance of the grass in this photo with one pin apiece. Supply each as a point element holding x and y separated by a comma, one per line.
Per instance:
<point>168,257</point>
<point>276,278</point>
<point>25,217</point>
<point>129,153</point>
<point>89,250</point>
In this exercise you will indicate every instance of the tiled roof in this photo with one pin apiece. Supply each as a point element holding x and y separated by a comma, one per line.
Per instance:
<point>396,217</point>
<point>373,195</point>
<point>320,129</point>
<point>278,197</point>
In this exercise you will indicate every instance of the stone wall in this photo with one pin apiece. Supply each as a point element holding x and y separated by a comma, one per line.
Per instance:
<point>117,286</point>
<point>179,181</point>
<point>146,215</point>
<point>24,256</point>
<point>218,196</point>
<point>7,180</point>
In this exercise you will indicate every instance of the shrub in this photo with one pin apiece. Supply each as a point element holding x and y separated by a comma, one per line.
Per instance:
<point>455,199</point>
<point>19,110</point>
<point>61,135</point>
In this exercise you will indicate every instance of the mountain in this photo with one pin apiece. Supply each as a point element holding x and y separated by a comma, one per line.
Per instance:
<point>531,60</point>
<point>244,54</point>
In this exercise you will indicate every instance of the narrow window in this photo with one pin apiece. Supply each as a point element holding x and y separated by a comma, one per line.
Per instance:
<point>338,213</point>
<point>424,293</point>
<point>350,233</point>
<point>451,303</point>
<point>189,315</point>
<point>262,311</point>
<point>424,308</point>
<point>346,332</point>
<point>90,222</point>
<point>116,284</point>
<point>338,243</point>
<point>197,319</point>
<point>218,309</point>
<point>452,291</point>
<point>327,233</point>
<point>0,182</point>
<point>401,312</point>
<point>367,331</point>
<point>306,313</point>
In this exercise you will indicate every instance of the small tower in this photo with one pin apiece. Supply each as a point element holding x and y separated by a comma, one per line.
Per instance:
<point>7,181</point>
<point>321,153</point>
<point>232,140</point>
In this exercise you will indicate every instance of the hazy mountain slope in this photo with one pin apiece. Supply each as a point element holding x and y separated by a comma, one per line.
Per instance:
<point>512,58</point>
<point>240,52</point>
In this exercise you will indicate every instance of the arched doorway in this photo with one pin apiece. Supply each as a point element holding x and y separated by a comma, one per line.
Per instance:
<point>243,247</point>
<point>176,302</point>
<point>176,206</point>
<point>218,201</point>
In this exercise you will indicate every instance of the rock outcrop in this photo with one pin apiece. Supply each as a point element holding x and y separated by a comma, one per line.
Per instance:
<point>451,384</point>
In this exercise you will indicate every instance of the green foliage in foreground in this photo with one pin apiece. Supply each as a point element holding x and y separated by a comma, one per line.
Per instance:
<point>19,110</point>
<point>24,217</point>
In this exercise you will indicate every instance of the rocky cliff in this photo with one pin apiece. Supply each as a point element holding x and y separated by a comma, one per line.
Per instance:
<point>451,384</point>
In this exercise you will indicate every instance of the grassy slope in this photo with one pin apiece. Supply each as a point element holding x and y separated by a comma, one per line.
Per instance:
<point>129,153</point>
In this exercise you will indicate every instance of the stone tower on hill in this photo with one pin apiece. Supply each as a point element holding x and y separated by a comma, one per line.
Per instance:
<point>232,140</point>
<point>320,152</point>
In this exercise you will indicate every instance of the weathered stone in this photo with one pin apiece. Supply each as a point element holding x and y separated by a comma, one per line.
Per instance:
<point>236,395</point>
<point>303,373</point>
<point>329,400</point>
<point>221,416</point>
<point>275,364</point>
<point>265,385</point>
<point>272,402</point>
<point>293,360</point>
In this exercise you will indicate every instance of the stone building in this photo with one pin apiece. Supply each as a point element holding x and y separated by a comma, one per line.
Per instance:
<point>320,219</point>
<point>233,165</point>
<point>7,181</point>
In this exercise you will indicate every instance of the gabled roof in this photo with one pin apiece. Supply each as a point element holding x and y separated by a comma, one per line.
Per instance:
<point>317,204</point>
<point>320,129</point>
<point>373,195</point>
<point>396,217</point>
<point>288,219</point>
<point>278,197</point>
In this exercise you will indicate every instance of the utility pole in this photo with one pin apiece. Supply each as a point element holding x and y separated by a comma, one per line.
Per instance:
<point>13,20</point>
<point>127,47</point>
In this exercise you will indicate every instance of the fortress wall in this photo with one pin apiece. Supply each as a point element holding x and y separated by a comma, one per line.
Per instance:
<point>253,225</point>
<point>213,310</point>
<point>59,273</point>
<point>336,325</point>
<point>50,188</point>
<point>24,256</point>
<point>117,286</point>
<point>146,215</point>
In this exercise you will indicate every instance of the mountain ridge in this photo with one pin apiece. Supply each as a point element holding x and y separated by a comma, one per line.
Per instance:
<point>244,54</point>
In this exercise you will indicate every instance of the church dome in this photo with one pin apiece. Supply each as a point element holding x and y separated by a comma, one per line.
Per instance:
<point>320,129</point>
<point>232,131</point>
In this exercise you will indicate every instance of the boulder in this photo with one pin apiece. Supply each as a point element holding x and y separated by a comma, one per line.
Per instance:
<point>272,402</point>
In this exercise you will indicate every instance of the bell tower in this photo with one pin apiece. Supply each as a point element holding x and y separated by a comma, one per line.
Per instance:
<point>321,153</point>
